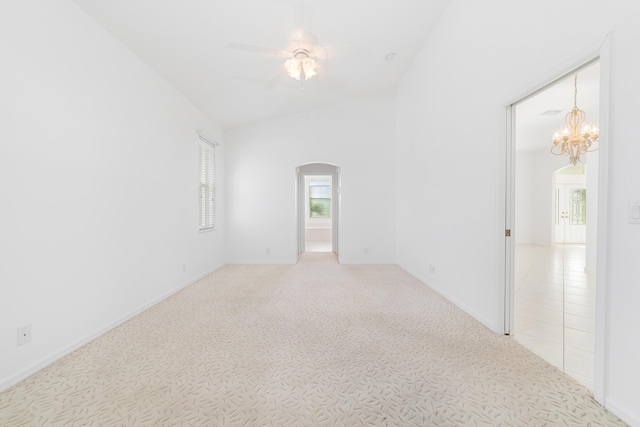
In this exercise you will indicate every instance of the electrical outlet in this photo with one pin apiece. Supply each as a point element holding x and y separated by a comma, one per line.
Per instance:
<point>23,335</point>
<point>366,251</point>
<point>432,269</point>
<point>268,251</point>
<point>184,268</point>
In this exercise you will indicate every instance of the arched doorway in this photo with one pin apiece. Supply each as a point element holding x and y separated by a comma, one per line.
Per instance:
<point>318,207</point>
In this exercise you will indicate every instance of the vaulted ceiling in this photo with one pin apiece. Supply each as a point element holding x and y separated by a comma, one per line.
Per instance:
<point>369,46</point>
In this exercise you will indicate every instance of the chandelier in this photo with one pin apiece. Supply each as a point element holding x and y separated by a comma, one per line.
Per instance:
<point>301,67</point>
<point>576,138</point>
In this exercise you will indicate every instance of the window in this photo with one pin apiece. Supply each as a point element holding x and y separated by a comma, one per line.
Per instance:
<point>319,200</point>
<point>578,206</point>
<point>207,183</point>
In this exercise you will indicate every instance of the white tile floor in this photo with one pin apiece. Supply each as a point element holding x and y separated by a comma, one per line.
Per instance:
<point>555,307</point>
<point>317,246</point>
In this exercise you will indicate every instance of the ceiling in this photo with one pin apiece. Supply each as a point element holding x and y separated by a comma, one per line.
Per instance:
<point>534,130</point>
<point>187,42</point>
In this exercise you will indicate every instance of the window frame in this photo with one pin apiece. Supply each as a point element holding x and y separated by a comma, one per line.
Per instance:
<point>323,199</point>
<point>207,200</point>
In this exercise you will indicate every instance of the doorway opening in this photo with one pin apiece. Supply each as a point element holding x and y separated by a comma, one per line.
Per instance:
<point>554,229</point>
<point>317,217</point>
<point>318,207</point>
<point>570,207</point>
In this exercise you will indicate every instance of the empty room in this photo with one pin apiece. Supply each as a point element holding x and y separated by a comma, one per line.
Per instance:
<point>305,212</point>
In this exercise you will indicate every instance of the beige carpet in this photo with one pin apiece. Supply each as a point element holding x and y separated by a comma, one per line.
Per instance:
<point>312,344</point>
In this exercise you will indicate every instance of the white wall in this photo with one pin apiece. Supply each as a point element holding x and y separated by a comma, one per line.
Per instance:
<point>524,232</point>
<point>535,202</point>
<point>450,130</point>
<point>357,136</point>
<point>544,202</point>
<point>98,184</point>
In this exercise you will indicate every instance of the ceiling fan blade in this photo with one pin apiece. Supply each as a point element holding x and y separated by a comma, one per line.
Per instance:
<point>319,52</point>
<point>275,81</point>
<point>254,49</point>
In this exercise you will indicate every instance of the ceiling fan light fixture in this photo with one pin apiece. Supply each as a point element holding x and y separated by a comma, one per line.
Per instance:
<point>309,67</point>
<point>301,66</point>
<point>293,68</point>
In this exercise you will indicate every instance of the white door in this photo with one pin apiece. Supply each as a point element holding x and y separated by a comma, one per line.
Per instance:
<point>571,213</point>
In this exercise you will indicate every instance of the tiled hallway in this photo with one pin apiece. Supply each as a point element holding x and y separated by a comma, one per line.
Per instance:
<point>318,247</point>
<point>555,307</point>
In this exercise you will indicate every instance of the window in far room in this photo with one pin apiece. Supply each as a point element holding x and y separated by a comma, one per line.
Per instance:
<point>319,200</point>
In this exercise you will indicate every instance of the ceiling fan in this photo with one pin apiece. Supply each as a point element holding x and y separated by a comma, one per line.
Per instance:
<point>303,56</point>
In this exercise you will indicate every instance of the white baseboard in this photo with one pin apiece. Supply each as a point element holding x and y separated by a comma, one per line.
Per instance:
<point>623,413</point>
<point>23,374</point>
<point>460,305</point>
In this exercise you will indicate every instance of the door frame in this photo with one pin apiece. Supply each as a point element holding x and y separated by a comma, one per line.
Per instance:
<point>600,51</point>
<point>311,169</point>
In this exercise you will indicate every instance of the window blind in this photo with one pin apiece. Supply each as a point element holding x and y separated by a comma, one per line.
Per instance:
<point>207,184</point>
<point>320,191</point>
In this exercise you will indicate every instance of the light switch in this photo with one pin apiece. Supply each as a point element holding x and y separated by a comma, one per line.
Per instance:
<point>634,212</point>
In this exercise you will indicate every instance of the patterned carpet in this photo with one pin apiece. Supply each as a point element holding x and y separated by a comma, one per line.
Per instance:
<point>312,344</point>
